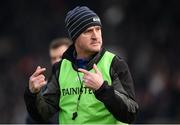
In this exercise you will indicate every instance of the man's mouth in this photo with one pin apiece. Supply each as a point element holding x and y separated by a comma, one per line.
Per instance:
<point>95,43</point>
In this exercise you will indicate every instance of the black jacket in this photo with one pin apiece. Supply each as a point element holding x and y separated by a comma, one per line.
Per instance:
<point>118,98</point>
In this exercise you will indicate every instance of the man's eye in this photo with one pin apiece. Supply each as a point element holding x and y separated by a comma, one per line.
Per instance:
<point>87,31</point>
<point>98,28</point>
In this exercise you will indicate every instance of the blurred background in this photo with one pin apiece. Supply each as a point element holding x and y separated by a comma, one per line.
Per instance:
<point>146,33</point>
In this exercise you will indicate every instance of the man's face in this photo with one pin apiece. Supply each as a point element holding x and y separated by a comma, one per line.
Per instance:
<point>90,41</point>
<point>56,54</point>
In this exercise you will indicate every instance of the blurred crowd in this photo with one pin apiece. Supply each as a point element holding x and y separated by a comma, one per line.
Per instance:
<point>146,33</point>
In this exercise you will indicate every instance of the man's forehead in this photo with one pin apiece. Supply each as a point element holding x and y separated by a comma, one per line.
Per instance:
<point>60,47</point>
<point>93,27</point>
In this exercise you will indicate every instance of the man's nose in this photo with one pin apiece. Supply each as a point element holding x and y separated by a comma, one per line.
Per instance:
<point>94,34</point>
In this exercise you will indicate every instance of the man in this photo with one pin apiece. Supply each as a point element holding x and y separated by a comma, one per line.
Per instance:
<point>89,85</point>
<point>56,49</point>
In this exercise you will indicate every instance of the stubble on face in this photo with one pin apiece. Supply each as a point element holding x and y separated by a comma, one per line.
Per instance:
<point>89,42</point>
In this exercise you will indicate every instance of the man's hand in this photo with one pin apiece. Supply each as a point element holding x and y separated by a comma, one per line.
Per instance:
<point>92,80</point>
<point>37,80</point>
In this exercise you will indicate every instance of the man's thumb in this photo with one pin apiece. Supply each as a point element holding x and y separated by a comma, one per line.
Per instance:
<point>95,68</point>
<point>39,67</point>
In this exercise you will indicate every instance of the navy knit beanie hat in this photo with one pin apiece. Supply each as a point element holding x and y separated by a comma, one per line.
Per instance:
<point>79,19</point>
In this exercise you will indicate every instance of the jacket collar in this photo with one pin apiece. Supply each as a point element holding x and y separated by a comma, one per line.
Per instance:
<point>69,55</point>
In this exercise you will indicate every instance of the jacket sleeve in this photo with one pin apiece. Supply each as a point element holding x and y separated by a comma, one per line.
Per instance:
<point>119,98</point>
<point>43,105</point>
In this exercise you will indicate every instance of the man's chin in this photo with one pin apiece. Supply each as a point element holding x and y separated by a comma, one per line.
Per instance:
<point>96,49</point>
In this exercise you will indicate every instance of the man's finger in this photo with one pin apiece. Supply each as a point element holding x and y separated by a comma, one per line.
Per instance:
<point>40,77</point>
<point>39,67</point>
<point>39,85</point>
<point>38,71</point>
<point>83,71</point>
<point>42,83</point>
<point>96,69</point>
<point>41,80</point>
